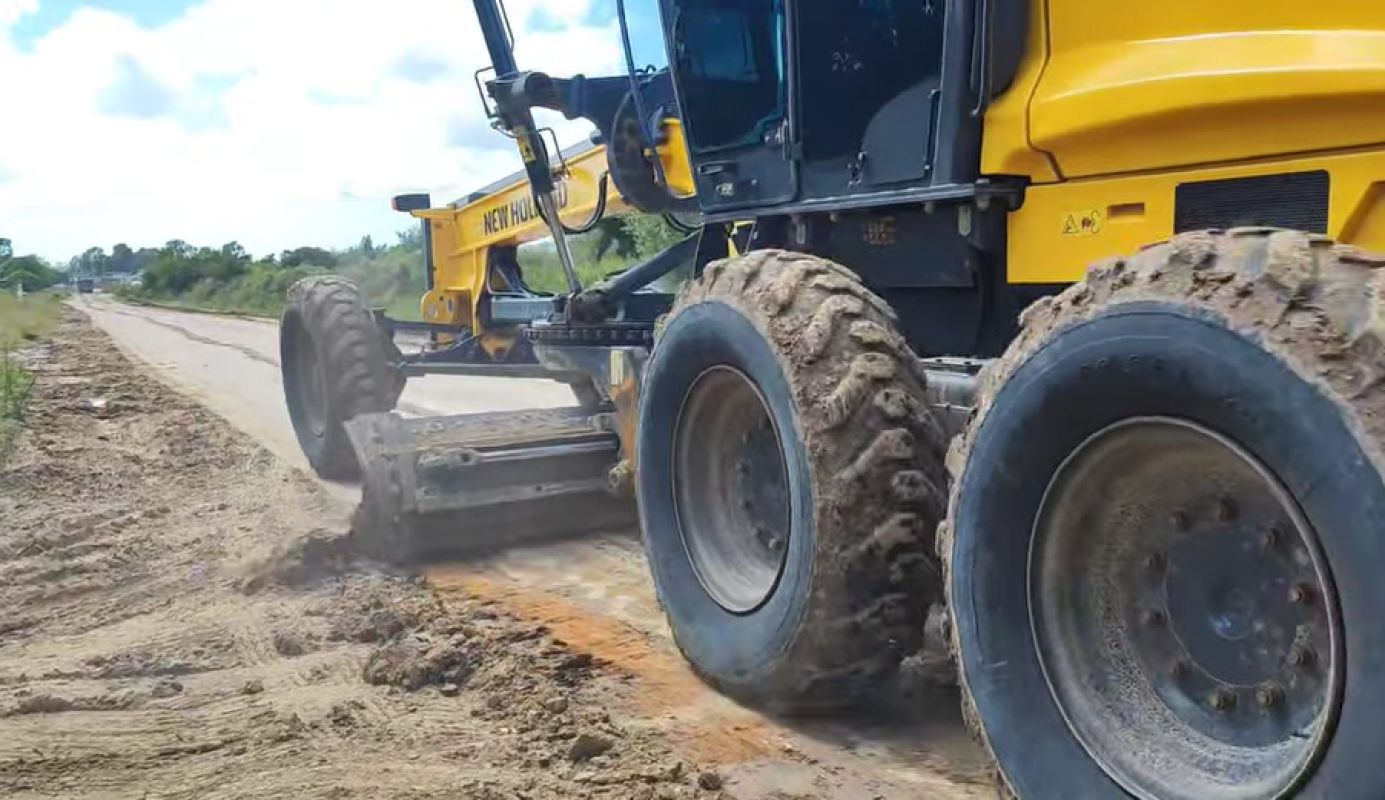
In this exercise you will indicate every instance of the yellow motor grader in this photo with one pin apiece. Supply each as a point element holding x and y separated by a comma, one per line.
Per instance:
<point>1046,335</point>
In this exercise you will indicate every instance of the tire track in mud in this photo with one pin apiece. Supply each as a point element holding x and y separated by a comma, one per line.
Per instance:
<point>817,758</point>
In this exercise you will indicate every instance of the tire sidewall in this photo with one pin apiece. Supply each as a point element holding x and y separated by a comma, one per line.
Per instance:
<point>732,650</point>
<point>1155,359</point>
<point>294,332</point>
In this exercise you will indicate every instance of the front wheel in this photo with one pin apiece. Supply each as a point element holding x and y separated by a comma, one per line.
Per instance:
<point>1165,543</point>
<point>789,482</point>
<point>335,365</point>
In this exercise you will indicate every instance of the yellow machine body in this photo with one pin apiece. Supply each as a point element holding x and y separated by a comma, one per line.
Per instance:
<point>1113,109</point>
<point>504,214</point>
<point>1110,111</point>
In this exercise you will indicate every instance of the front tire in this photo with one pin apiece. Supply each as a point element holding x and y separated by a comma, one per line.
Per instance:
<point>789,482</point>
<point>1164,543</point>
<point>335,365</point>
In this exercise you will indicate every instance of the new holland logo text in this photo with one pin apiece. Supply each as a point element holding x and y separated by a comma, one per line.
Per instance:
<point>517,212</point>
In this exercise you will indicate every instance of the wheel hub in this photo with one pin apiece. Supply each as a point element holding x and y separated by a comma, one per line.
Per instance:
<point>1183,611</point>
<point>731,489</point>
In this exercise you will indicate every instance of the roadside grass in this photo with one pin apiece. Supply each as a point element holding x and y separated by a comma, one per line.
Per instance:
<point>26,320</point>
<point>22,322</point>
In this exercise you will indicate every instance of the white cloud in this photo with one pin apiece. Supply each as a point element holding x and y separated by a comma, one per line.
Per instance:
<point>272,123</point>
<point>12,10</point>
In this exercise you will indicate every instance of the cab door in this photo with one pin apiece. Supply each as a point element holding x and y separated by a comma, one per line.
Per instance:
<point>730,72</point>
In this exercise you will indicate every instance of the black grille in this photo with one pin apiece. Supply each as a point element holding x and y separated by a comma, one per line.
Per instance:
<point>1295,200</point>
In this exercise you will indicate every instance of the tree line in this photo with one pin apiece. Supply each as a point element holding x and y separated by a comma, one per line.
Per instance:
<point>229,278</point>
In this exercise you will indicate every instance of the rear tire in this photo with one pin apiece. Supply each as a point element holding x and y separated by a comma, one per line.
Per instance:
<point>1225,644</point>
<point>335,363</point>
<point>811,385</point>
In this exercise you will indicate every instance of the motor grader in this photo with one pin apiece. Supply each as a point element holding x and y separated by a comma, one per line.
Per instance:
<point>1042,334</point>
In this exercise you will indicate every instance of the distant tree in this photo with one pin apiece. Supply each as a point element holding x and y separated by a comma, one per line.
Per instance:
<point>308,257</point>
<point>32,272</point>
<point>410,238</point>
<point>93,262</point>
<point>367,246</point>
<point>123,259</point>
<point>179,248</point>
<point>234,251</point>
<point>144,257</point>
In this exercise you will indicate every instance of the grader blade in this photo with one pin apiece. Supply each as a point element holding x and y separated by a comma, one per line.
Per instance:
<point>480,482</point>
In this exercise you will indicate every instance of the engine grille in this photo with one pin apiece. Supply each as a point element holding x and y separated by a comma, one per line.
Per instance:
<point>1295,200</point>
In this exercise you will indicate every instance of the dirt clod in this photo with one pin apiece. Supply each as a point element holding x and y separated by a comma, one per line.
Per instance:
<point>290,644</point>
<point>413,662</point>
<point>588,745</point>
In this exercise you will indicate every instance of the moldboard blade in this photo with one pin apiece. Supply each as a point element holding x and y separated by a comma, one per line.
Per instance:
<point>479,482</point>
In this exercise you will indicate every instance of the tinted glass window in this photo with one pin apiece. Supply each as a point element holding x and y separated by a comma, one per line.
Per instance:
<point>873,51</point>
<point>730,59</point>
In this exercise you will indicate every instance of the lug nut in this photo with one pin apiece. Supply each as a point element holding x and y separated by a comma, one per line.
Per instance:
<point>1301,594</point>
<point>1271,539</point>
<point>1223,699</point>
<point>1181,521</point>
<point>1269,694</point>
<point>1302,656</point>
<point>1152,617</point>
<point>1154,562</point>
<point>1226,510</point>
<point>1181,668</point>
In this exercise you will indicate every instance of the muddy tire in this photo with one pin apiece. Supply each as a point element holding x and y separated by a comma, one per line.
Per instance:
<point>789,482</point>
<point>336,365</point>
<point>1164,539</point>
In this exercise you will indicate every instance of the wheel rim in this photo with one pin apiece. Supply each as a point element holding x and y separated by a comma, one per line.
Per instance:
<point>1184,616</point>
<point>314,382</point>
<point>731,489</point>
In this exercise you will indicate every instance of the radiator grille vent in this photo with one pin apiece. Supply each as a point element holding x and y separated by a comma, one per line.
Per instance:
<point>1295,200</point>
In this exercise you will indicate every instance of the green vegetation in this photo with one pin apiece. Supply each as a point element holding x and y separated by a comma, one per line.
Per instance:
<point>614,244</point>
<point>31,272</point>
<point>21,322</point>
<point>227,279</point>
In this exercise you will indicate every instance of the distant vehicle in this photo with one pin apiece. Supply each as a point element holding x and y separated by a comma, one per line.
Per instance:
<point>86,286</point>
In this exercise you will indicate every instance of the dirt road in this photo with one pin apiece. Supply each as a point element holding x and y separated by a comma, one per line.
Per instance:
<point>593,597</point>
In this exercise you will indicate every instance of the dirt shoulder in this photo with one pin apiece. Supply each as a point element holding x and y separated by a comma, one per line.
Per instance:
<point>183,618</point>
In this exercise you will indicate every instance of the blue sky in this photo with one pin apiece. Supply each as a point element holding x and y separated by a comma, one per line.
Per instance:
<point>257,120</point>
<point>51,14</point>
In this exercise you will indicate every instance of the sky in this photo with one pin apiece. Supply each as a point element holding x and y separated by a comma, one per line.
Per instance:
<point>275,123</point>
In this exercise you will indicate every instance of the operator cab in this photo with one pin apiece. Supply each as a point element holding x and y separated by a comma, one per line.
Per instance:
<point>917,72</point>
